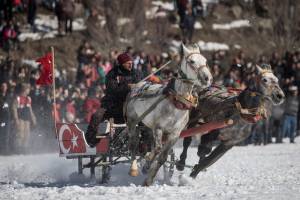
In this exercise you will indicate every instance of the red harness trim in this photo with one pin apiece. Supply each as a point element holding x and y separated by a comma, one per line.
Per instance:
<point>179,105</point>
<point>252,119</point>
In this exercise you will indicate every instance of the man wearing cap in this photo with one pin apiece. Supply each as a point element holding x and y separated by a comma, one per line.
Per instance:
<point>118,84</point>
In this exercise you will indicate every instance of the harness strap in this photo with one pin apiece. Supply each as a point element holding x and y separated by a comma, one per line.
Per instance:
<point>152,107</point>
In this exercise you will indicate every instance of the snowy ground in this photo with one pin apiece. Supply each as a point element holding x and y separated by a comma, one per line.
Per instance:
<point>47,26</point>
<point>253,172</point>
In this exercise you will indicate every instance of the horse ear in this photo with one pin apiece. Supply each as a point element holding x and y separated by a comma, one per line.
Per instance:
<point>258,69</point>
<point>184,50</point>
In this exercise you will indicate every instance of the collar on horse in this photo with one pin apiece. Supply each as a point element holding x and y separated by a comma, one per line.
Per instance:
<point>186,101</point>
<point>183,102</point>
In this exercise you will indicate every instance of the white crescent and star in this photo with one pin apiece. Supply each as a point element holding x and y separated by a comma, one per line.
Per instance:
<point>62,130</point>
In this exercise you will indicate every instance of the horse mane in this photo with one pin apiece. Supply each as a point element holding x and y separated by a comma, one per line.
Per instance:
<point>193,47</point>
<point>266,66</point>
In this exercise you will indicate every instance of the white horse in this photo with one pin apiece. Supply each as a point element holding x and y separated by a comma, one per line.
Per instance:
<point>167,112</point>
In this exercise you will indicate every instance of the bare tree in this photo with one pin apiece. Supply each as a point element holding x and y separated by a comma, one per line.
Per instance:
<point>284,19</point>
<point>113,11</point>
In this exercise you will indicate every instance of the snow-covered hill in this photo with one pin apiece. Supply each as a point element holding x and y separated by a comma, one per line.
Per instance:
<point>253,172</point>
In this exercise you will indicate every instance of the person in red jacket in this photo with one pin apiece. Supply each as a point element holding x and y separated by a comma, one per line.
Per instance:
<point>91,104</point>
<point>9,36</point>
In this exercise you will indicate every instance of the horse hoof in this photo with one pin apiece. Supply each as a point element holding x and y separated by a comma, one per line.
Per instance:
<point>133,172</point>
<point>180,165</point>
<point>145,184</point>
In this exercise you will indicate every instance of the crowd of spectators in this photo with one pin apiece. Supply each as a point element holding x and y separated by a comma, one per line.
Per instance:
<point>21,100</point>
<point>11,12</point>
<point>284,119</point>
<point>26,108</point>
<point>9,28</point>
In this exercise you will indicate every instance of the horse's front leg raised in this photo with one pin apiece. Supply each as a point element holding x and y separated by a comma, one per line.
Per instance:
<point>159,161</point>
<point>133,147</point>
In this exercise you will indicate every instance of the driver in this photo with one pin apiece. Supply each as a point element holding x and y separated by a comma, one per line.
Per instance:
<point>119,81</point>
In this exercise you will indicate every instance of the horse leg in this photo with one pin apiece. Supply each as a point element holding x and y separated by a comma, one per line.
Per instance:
<point>206,144</point>
<point>203,150</point>
<point>181,163</point>
<point>133,147</point>
<point>215,155</point>
<point>159,161</point>
<point>157,148</point>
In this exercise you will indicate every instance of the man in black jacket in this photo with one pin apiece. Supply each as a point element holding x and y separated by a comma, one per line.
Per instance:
<point>118,84</point>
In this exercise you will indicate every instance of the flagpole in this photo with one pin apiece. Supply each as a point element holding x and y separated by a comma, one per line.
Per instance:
<point>53,88</point>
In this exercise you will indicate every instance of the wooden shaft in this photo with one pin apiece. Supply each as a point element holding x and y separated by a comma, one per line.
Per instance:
<point>205,128</point>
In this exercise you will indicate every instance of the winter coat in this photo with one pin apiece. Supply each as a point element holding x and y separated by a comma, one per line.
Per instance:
<point>68,8</point>
<point>117,88</point>
<point>22,110</point>
<point>291,105</point>
<point>8,32</point>
<point>90,106</point>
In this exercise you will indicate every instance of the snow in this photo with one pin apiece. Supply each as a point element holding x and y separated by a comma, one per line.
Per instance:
<point>205,3</point>
<point>123,21</point>
<point>46,26</point>
<point>232,25</point>
<point>204,46</point>
<point>125,40</point>
<point>164,5</point>
<point>198,25</point>
<point>154,13</point>
<point>252,172</point>
<point>174,46</point>
<point>237,46</point>
<point>31,63</point>
<point>212,46</point>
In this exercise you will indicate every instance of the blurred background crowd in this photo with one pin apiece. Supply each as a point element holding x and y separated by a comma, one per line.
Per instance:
<point>77,101</point>
<point>26,111</point>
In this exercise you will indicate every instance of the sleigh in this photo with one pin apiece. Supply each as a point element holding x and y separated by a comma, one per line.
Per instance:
<point>113,146</point>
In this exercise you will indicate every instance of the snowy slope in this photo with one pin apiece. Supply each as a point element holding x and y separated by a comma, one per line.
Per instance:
<point>253,172</point>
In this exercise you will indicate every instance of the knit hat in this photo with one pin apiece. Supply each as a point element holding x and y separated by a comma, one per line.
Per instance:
<point>123,58</point>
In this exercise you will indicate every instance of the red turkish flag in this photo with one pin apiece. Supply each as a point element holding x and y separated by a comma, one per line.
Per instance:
<point>46,76</point>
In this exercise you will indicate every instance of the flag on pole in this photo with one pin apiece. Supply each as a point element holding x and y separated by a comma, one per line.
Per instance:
<point>46,74</point>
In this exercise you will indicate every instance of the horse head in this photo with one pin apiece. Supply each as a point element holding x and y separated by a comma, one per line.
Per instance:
<point>267,84</point>
<point>194,66</point>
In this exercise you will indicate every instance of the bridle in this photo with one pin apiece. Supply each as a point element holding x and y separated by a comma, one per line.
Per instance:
<point>197,70</point>
<point>270,87</point>
<point>200,67</point>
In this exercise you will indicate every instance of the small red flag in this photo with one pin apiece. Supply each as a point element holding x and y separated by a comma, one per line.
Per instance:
<point>46,75</point>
